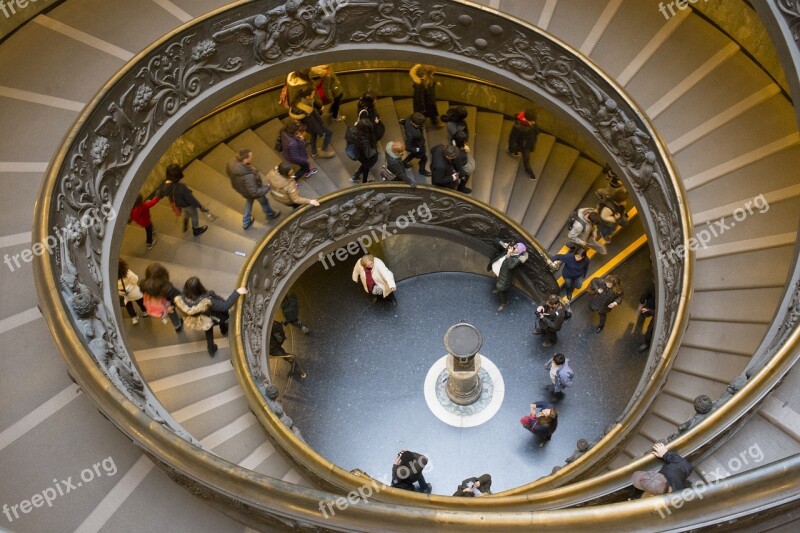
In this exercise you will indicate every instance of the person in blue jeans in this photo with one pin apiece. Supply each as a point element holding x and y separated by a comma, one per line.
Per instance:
<point>246,180</point>
<point>407,470</point>
<point>576,267</point>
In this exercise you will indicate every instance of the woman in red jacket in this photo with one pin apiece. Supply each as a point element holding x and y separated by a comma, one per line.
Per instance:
<point>141,215</point>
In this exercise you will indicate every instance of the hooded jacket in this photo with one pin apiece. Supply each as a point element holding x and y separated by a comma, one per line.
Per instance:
<point>294,87</point>
<point>199,311</point>
<point>582,229</point>
<point>523,134</point>
<point>284,189</point>
<point>601,300</point>
<point>415,137</point>
<point>294,149</point>
<point>394,164</point>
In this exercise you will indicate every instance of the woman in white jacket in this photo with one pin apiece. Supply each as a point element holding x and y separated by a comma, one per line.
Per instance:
<point>129,292</point>
<point>375,278</point>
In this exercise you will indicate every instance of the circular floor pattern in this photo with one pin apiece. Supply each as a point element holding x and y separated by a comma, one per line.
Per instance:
<point>464,416</point>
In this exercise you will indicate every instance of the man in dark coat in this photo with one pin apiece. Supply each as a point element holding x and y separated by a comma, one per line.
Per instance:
<point>181,196</point>
<point>673,476</point>
<point>446,170</point>
<point>647,308</point>
<point>548,320</point>
<point>246,180</point>
<point>473,487</point>
<point>414,132</point>
<point>510,256</point>
<point>523,138</point>
<point>291,313</point>
<point>407,469</point>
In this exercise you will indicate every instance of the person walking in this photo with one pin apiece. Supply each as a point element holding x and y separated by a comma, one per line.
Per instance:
<point>414,132</point>
<point>329,89</point>
<point>276,339</point>
<point>542,422</point>
<point>140,214</point>
<point>672,477</point>
<point>204,309</point>
<point>246,180</point>
<point>612,215</point>
<point>647,309</point>
<point>129,292</point>
<point>522,138</point>
<point>181,197</point>
<point>548,320</point>
<point>303,111</point>
<point>297,84</point>
<point>291,313</point>
<point>424,91</point>
<point>446,170</point>
<point>472,487</point>
<point>159,294</point>
<point>606,295</point>
<point>367,110</point>
<point>362,137</point>
<point>456,121</point>
<point>407,469</point>
<point>510,256</point>
<point>561,374</point>
<point>576,268</point>
<point>583,229</point>
<point>376,278</point>
<point>293,149</point>
<point>284,189</point>
<point>394,164</point>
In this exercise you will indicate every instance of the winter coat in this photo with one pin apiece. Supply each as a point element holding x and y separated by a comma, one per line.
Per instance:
<point>415,137</point>
<point>395,165</point>
<point>442,169</point>
<point>141,213</point>
<point>677,471</point>
<point>294,87</point>
<point>505,271</point>
<point>328,83</point>
<point>246,180</point>
<point>648,300</point>
<point>290,308</point>
<point>523,135</point>
<point>424,96</point>
<point>454,127</point>
<point>202,313</point>
<point>303,111</point>
<point>178,193</point>
<point>365,144</point>
<point>541,429</point>
<point>407,470</point>
<point>284,189</point>
<point>382,276</point>
<point>553,319</point>
<point>128,287</point>
<point>294,149</point>
<point>572,269</point>
<point>601,300</point>
<point>469,483</point>
<point>582,230</point>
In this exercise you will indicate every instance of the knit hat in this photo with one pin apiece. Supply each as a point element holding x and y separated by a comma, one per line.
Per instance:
<point>650,482</point>
<point>521,248</point>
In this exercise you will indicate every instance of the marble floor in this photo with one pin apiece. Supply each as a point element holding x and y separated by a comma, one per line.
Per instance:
<point>363,400</point>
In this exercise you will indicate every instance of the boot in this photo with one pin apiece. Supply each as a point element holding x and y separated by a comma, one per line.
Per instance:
<point>199,230</point>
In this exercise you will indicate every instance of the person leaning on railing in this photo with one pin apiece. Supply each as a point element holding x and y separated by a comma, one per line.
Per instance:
<point>672,477</point>
<point>284,187</point>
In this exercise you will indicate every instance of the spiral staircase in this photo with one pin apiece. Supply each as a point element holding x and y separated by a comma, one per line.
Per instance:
<point>729,126</point>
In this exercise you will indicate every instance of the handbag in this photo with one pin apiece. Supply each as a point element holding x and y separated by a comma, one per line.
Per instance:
<point>386,174</point>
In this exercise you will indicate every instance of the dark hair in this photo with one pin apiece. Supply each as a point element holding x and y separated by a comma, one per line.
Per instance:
<point>367,99</point>
<point>139,201</point>
<point>292,127</point>
<point>460,138</point>
<point>364,127</point>
<point>304,74</point>
<point>580,252</point>
<point>193,288</point>
<point>305,92</point>
<point>418,118</point>
<point>553,300</point>
<point>450,152</point>
<point>530,115</point>
<point>593,217</point>
<point>284,168</point>
<point>174,172</point>
<point>548,419</point>
<point>122,268</point>
<point>616,284</point>
<point>242,155</point>
<point>455,114</point>
<point>156,281</point>
<point>559,359</point>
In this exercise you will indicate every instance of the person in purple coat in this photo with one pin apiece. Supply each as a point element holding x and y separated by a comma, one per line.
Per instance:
<point>293,149</point>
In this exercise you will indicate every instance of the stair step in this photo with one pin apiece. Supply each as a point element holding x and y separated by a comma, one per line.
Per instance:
<point>243,444</point>
<point>506,167</point>
<point>215,419</point>
<point>759,227</point>
<point>654,428</point>
<point>573,25</point>
<point>561,164</point>
<point>181,396</point>
<point>727,306</point>
<point>164,361</point>
<point>672,410</point>
<point>688,387</point>
<point>759,268</point>
<point>721,367</point>
<point>485,152</point>
<point>524,187</point>
<point>585,176</point>
<point>731,337</point>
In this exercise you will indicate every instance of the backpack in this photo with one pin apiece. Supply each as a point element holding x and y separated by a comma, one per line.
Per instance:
<point>572,219</point>
<point>155,306</point>
<point>351,149</point>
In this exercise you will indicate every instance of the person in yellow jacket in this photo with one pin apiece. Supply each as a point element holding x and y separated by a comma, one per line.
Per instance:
<point>283,188</point>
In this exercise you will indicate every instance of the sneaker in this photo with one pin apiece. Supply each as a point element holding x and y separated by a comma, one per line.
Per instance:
<point>275,214</point>
<point>537,332</point>
<point>501,308</point>
<point>340,118</point>
<point>135,320</point>
<point>305,329</point>
<point>200,230</point>
<point>144,314</point>
<point>643,347</point>
<point>212,351</point>
<point>532,176</point>
<point>326,154</point>
<point>354,178</point>
<point>151,244</point>
<point>303,375</point>
<point>165,320</point>
<point>425,173</point>
<point>311,172</point>
<point>599,329</point>
<point>246,225</point>
<point>466,190</point>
